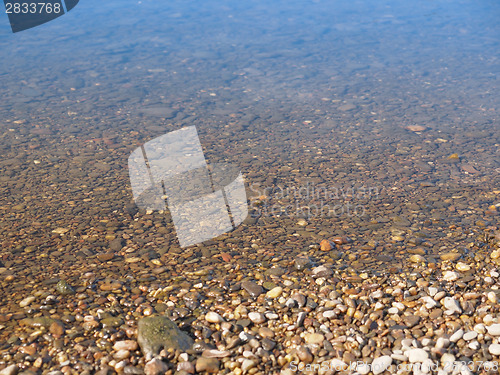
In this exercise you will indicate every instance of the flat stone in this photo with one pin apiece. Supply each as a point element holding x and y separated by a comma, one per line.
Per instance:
<point>450,256</point>
<point>130,345</point>
<point>471,335</point>
<point>25,302</point>
<point>275,292</point>
<point>163,112</point>
<point>411,320</point>
<point>347,107</point>
<point>322,271</point>
<point>416,128</point>
<point>210,365</point>
<point>157,333</point>
<point>268,344</point>
<point>155,367</point>
<point>214,353</point>
<point>314,338</point>
<point>252,288</point>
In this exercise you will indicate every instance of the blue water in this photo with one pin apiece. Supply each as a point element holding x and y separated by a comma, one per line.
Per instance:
<point>362,71</point>
<point>290,51</point>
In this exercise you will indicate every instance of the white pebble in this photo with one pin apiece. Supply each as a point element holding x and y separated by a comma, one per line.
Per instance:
<point>377,294</point>
<point>442,343</point>
<point>474,345</point>
<point>488,319</point>
<point>471,335</point>
<point>399,306</point>
<point>380,364</point>
<point>494,349</point>
<point>452,304</point>
<point>399,357</point>
<point>329,314</point>
<point>492,297</point>
<point>379,306</point>
<point>447,358</point>
<point>494,329</point>
<point>272,316</point>
<point>457,335</point>
<point>247,364</point>
<point>25,302</point>
<point>432,291</point>
<point>451,275</point>
<point>9,370</point>
<point>256,317</point>
<point>393,310</point>
<point>429,302</point>
<point>464,267</point>
<point>213,317</point>
<point>362,368</point>
<point>426,341</point>
<point>480,328</point>
<point>417,355</point>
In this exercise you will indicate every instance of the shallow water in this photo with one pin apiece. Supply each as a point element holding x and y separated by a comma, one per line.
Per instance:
<point>310,100</point>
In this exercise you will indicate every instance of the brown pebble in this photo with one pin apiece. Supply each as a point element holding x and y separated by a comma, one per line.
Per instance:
<point>325,245</point>
<point>57,329</point>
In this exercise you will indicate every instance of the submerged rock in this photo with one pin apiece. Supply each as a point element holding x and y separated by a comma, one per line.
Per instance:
<point>64,288</point>
<point>157,333</point>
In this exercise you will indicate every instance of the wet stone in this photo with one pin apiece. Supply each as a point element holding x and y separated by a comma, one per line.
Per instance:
<point>155,367</point>
<point>252,288</point>
<point>302,263</point>
<point>64,288</point>
<point>276,271</point>
<point>157,333</point>
<point>268,344</point>
<point>210,365</point>
<point>10,370</point>
<point>411,320</point>
<point>111,322</point>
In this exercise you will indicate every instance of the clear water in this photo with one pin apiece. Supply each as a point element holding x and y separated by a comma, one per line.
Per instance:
<point>294,92</point>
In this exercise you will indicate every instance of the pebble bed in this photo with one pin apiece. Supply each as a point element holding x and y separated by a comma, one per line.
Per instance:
<point>407,283</point>
<point>275,319</point>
